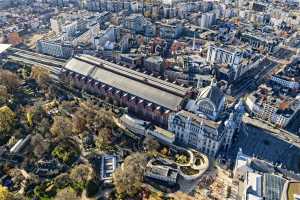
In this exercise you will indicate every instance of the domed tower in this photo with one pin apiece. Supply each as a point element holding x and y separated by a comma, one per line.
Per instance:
<point>210,101</point>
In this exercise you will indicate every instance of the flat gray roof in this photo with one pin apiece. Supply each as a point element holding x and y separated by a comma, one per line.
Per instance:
<point>152,89</point>
<point>4,47</point>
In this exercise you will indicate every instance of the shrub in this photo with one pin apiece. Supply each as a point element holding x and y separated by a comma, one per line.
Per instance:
<point>181,159</point>
<point>45,191</point>
<point>65,153</point>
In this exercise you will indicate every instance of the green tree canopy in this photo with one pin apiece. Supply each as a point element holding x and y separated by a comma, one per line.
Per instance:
<point>7,119</point>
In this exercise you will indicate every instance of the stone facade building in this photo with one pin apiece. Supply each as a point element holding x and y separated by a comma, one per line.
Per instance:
<point>203,134</point>
<point>145,96</point>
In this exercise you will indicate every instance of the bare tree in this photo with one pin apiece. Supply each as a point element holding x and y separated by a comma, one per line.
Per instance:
<point>3,94</point>
<point>151,144</point>
<point>9,80</point>
<point>67,194</point>
<point>62,126</point>
<point>104,139</point>
<point>79,122</point>
<point>81,174</point>
<point>39,144</point>
<point>41,76</point>
<point>63,180</point>
<point>128,178</point>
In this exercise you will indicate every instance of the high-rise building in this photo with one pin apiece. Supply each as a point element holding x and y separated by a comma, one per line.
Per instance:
<point>5,3</point>
<point>135,22</point>
<point>55,49</point>
<point>55,24</point>
<point>207,19</point>
<point>223,55</point>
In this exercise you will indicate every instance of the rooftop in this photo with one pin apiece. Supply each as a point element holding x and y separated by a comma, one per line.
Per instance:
<point>293,189</point>
<point>162,170</point>
<point>3,47</point>
<point>164,132</point>
<point>199,119</point>
<point>214,93</point>
<point>149,88</point>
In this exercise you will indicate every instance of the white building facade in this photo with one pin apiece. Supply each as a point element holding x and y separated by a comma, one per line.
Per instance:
<point>221,55</point>
<point>292,84</point>
<point>202,134</point>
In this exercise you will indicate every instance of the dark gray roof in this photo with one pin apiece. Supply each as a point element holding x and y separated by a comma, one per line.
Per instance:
<point>213,93</point>
<point>262,166</point>
<point>154,59</point>
<point>198,120</point>
<point>149,88</point>
<point>209,126</point>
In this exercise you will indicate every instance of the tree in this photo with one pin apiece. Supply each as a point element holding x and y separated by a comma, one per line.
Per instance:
<point>41,76</point>
<point>43,127</point>
<point>9,80</point>
<point>151,144</point>
<point>181,159</point>
<point>104,139</point>
<point>81,174</point>
<point>7,119</point>
<point>128,178</point>
<point>68,106</point>
<point>67,194</point>
<point>4,96</point>
<point>79,122</point>
<point>62,181</point>
<point>67,152</point>
<point>61,126</point>
<point>35,114</point>
<point>104,119</point>
<point>165,151</point>
<point>96,118</point>
<point>5,194</point>
<point>45,190</point>
<point>30,183</point>
<point>39,144</point>
<point>17,177</point>
<point>156,196</point>
<point>18,196</point>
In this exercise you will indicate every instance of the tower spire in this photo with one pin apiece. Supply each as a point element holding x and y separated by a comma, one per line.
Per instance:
<point>194,41</point>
